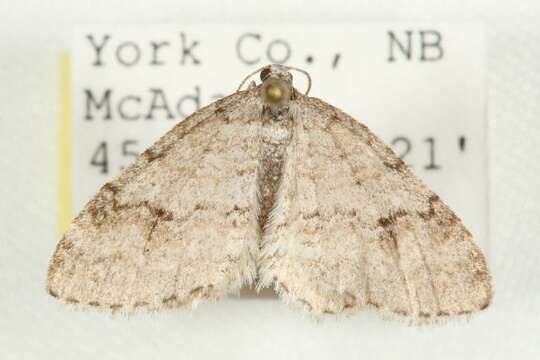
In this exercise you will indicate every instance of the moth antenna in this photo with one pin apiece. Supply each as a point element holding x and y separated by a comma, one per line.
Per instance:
<point>304,72</point>
<point>248,76</point>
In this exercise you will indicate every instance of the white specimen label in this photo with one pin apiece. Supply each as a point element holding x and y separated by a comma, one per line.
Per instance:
<point>419,86</point>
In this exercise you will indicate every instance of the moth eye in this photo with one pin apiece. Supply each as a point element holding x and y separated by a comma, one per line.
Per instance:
<point>274,93</point>
<point>265,73</point>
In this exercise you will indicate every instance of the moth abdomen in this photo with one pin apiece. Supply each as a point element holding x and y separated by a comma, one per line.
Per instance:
<point>274,139</point>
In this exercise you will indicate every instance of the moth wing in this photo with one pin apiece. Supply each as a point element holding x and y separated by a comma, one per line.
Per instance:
<point>353,227</point>
<point>177,226</point>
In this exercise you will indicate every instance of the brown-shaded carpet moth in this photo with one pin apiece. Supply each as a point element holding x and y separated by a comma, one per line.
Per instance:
<point>270,187</point>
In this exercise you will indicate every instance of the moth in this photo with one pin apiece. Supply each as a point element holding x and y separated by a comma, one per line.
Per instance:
<point>269,187</point>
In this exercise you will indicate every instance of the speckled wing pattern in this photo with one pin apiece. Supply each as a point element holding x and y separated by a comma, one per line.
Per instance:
<point>352,228</point>
<point>177,226</point>
<point>298,196</point>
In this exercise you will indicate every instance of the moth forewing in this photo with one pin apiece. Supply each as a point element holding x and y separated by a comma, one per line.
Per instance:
<point>177,226</point>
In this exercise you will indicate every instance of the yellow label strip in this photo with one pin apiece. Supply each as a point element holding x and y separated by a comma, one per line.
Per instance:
<point>64,146</point>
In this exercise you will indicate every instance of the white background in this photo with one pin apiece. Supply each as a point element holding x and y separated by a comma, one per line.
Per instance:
<point>34,326</point>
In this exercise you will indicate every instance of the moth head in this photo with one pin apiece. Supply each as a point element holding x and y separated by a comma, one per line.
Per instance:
<point>276,89</point>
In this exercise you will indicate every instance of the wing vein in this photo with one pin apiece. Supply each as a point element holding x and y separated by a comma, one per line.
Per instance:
<point>200,159</point>
<point>429,273</point>
<point>394,249</point>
